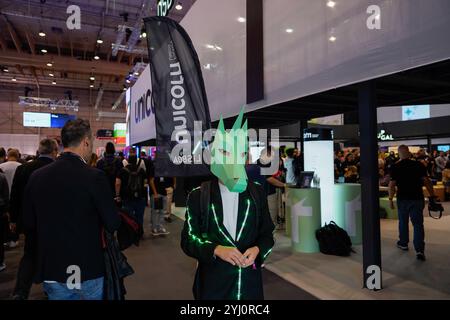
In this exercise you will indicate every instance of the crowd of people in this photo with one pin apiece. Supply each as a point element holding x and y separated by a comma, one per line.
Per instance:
<point>94,190</point>
<point>91,191</point>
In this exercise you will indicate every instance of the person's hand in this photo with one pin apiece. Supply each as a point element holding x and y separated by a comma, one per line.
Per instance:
<point>392,205</point>
<point>13,227</point>
<point>230,255</point>
<point>250,256</point>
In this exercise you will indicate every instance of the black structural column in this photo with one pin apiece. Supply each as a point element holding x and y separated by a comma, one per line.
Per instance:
<point>369,186</point>
<point>255,51</point>
<point>303,126</point>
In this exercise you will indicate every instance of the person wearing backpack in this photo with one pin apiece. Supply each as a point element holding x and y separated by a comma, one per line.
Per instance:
<point>110,164</point>
<point>131,190</point>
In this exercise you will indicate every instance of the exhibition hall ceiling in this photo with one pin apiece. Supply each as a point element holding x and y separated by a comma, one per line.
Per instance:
<point>38,48</point>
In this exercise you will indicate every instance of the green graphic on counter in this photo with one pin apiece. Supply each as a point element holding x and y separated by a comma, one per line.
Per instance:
<point>303,218</point>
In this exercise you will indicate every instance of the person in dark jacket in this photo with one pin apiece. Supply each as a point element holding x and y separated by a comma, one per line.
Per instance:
<point>68,204</point>
<point>110,164</point>
<point>4,201</point>
<point>228,227</point>
<point>48,150</point>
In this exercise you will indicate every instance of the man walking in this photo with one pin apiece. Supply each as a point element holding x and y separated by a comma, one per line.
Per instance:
<point>48,150</point>
<point>68,204</point>
<point>441,161</point>
<point>408,177</point>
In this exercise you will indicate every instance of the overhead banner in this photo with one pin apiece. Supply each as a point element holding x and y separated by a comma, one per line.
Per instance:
<point>179,98</point>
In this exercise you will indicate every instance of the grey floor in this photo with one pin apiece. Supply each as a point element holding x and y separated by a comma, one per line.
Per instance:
<point>162,272</point>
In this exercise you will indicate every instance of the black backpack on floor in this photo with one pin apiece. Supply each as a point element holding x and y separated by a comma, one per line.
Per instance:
<point>334,240</point>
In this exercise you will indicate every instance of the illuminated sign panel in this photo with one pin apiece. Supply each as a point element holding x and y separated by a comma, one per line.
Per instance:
<point>164,7</point>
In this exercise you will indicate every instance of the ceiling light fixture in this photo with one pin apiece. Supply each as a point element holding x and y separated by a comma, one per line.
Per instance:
<point>53,82</point>
<point>99,41</point>
<point>44,50</point>
<point>179,6</point>
<point>241,19</point>
<point>96,57</point>
<point>42,33</point>
<point>5,69</point>
<point>136,74</point>
<point>14,79</point>
<point>289,30</point>
<point>51,74</point>
<point>49,64</point>
<point>332,39</point>
<point>92,78</point>
<point>128,81</point>
<point>91,86</point>
<point>331,4</point>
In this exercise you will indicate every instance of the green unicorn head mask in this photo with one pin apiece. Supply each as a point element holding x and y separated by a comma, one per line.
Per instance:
<point>229,154</point>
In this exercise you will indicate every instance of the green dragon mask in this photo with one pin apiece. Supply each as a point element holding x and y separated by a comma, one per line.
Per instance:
<point>229,154</point>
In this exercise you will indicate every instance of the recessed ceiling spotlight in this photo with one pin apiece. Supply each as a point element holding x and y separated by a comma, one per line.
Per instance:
<point>49,64</point>
<point>331,4</point>
<point>96,57</point>
<point>91,86</point>
<point>179,6</point>
<point>14,79</point>
<point>136,73</point>
<point>210,46</point>
<point>241,19</point>
<point>5,69</point>
<point>51,74</point>
<point>289,30</point>
<point>42,33</point>
<point>53,82</point>
<point>332,39</point>
<point>92,78</point>
<point>99,41</point>
<point>44,50</point>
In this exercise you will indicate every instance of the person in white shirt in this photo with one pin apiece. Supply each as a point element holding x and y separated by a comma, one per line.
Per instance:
<point>9,167</point>
<point>290,168</point>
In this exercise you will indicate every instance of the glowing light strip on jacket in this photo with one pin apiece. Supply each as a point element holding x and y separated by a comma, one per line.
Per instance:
<point>245,220</point>
<point>218,227</point>
<point>239,284</point>
<point>191,234</point>
<point>267,253</point>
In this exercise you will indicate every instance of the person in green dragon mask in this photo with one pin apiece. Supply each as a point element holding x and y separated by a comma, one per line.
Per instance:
<point>228,228</point>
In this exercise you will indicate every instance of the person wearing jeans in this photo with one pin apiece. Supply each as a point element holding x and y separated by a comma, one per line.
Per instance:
<point>89,290</point>
<point>411,209</point>
<point>408,177</point>
<point>158,208</point>
<point>158,188</point>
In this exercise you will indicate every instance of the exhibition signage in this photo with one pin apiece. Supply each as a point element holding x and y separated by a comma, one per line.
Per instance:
<point>140,110</point>
<point>383,136</point>
<point>105,134</point>
<point>179,98</point>
<point>319,157</point>
<point>164,7</point>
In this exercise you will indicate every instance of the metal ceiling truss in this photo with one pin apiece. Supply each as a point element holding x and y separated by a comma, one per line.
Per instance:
<point>53,104</point>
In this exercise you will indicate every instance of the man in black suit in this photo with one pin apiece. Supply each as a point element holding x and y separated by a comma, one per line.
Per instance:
<point>67,204</point>
<point>48,150</point>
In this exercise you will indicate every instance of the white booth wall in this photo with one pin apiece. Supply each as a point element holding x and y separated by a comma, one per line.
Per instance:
<point>305,61</point>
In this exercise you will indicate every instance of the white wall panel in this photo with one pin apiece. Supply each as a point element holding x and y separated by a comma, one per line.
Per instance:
<point>304,62</point>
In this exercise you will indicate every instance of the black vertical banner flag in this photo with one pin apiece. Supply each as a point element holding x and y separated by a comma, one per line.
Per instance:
<point>179,98</point>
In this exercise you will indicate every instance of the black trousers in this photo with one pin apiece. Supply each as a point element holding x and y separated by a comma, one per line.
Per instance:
<point>27,267</point>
